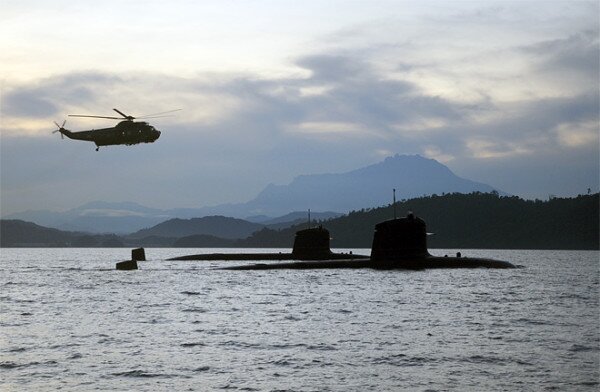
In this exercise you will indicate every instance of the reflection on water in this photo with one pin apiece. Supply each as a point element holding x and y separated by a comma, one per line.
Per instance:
<point>69,320</point>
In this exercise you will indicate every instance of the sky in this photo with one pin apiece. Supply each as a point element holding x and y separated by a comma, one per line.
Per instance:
<point>505,93</point>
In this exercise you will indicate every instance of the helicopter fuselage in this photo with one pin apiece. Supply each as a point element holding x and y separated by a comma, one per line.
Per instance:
<point>126,132</point>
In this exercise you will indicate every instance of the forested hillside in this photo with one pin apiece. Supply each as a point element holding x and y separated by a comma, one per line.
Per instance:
<point>482,220</point>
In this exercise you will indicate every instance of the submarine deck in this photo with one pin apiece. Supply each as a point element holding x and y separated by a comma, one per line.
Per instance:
<point>267,256</point>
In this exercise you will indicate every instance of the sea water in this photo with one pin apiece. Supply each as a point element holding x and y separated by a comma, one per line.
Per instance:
<point>70,321</point>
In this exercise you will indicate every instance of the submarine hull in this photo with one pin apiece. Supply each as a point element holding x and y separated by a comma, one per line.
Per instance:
<point>435,262</point>
<point>429,262</point>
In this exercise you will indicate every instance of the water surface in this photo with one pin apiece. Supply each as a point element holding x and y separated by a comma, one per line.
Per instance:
<point>69,320</point>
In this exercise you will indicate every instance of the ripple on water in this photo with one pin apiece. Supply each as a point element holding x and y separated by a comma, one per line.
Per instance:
<point>18,349</point>
<point>580,348</point>
<point>195,310</point>
<point>192,344</point>
<point>403,360</point>
<point>15,365</point>
<point>237,344</point>
<point>137,373</point>
<point>191,292</point>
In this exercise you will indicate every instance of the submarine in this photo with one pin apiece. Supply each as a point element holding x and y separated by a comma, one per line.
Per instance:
<point>398,244</point>
<point>309,244</point>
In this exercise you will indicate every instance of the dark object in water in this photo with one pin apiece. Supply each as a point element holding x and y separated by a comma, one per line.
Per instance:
<point>138,254</point>
<point>402,243</point>
<point>312,244</point>
<point>127,265</point>
<point>309,244</point>
<point>397,244</point>
<point>400,239</point>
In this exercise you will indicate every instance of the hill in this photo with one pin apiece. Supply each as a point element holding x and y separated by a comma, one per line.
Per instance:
<point>18,233</point>
<point>216,226</point>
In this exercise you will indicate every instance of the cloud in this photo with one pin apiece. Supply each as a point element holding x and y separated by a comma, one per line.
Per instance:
<point>575,53</point>
<point>579,134</point>
<point>46,97</point>
<point>28,103</point>
<point>481,148</point>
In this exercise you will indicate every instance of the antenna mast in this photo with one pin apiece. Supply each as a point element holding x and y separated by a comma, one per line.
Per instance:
<point>394,203</point>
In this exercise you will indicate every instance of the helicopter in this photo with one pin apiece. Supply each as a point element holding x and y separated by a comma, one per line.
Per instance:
<point>126,132</point>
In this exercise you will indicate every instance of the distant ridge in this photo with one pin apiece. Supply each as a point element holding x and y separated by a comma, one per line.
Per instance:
<point>367,187</point>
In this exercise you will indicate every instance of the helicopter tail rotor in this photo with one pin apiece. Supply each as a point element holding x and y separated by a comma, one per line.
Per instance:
<point>61,129</point>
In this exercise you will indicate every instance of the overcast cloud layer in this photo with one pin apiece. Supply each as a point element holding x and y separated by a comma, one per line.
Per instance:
<point>502,93</point>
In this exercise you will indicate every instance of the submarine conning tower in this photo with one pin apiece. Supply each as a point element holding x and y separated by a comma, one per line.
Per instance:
<point>400,239</point>
<point>312,244</point>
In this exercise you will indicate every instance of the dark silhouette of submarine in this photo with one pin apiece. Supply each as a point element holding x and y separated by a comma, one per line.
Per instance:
<point>309,244</point>
<point>397,244</point>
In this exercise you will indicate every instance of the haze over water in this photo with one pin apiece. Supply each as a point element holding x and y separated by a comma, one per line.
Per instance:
<point>70,321</point>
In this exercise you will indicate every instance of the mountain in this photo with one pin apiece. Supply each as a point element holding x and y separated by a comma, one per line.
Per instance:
<point>371,186</point>
<point>411,176</point>
<point>216,226</point>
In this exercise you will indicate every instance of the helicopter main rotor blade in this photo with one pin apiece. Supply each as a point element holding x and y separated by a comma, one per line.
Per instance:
<point>124,115</point>
<point>84,115</point>
<point>159,113</point>
<point>148,117</point>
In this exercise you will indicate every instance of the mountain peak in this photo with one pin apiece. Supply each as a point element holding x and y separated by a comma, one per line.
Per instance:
<point>410,161</point>
<point>366,187</point>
